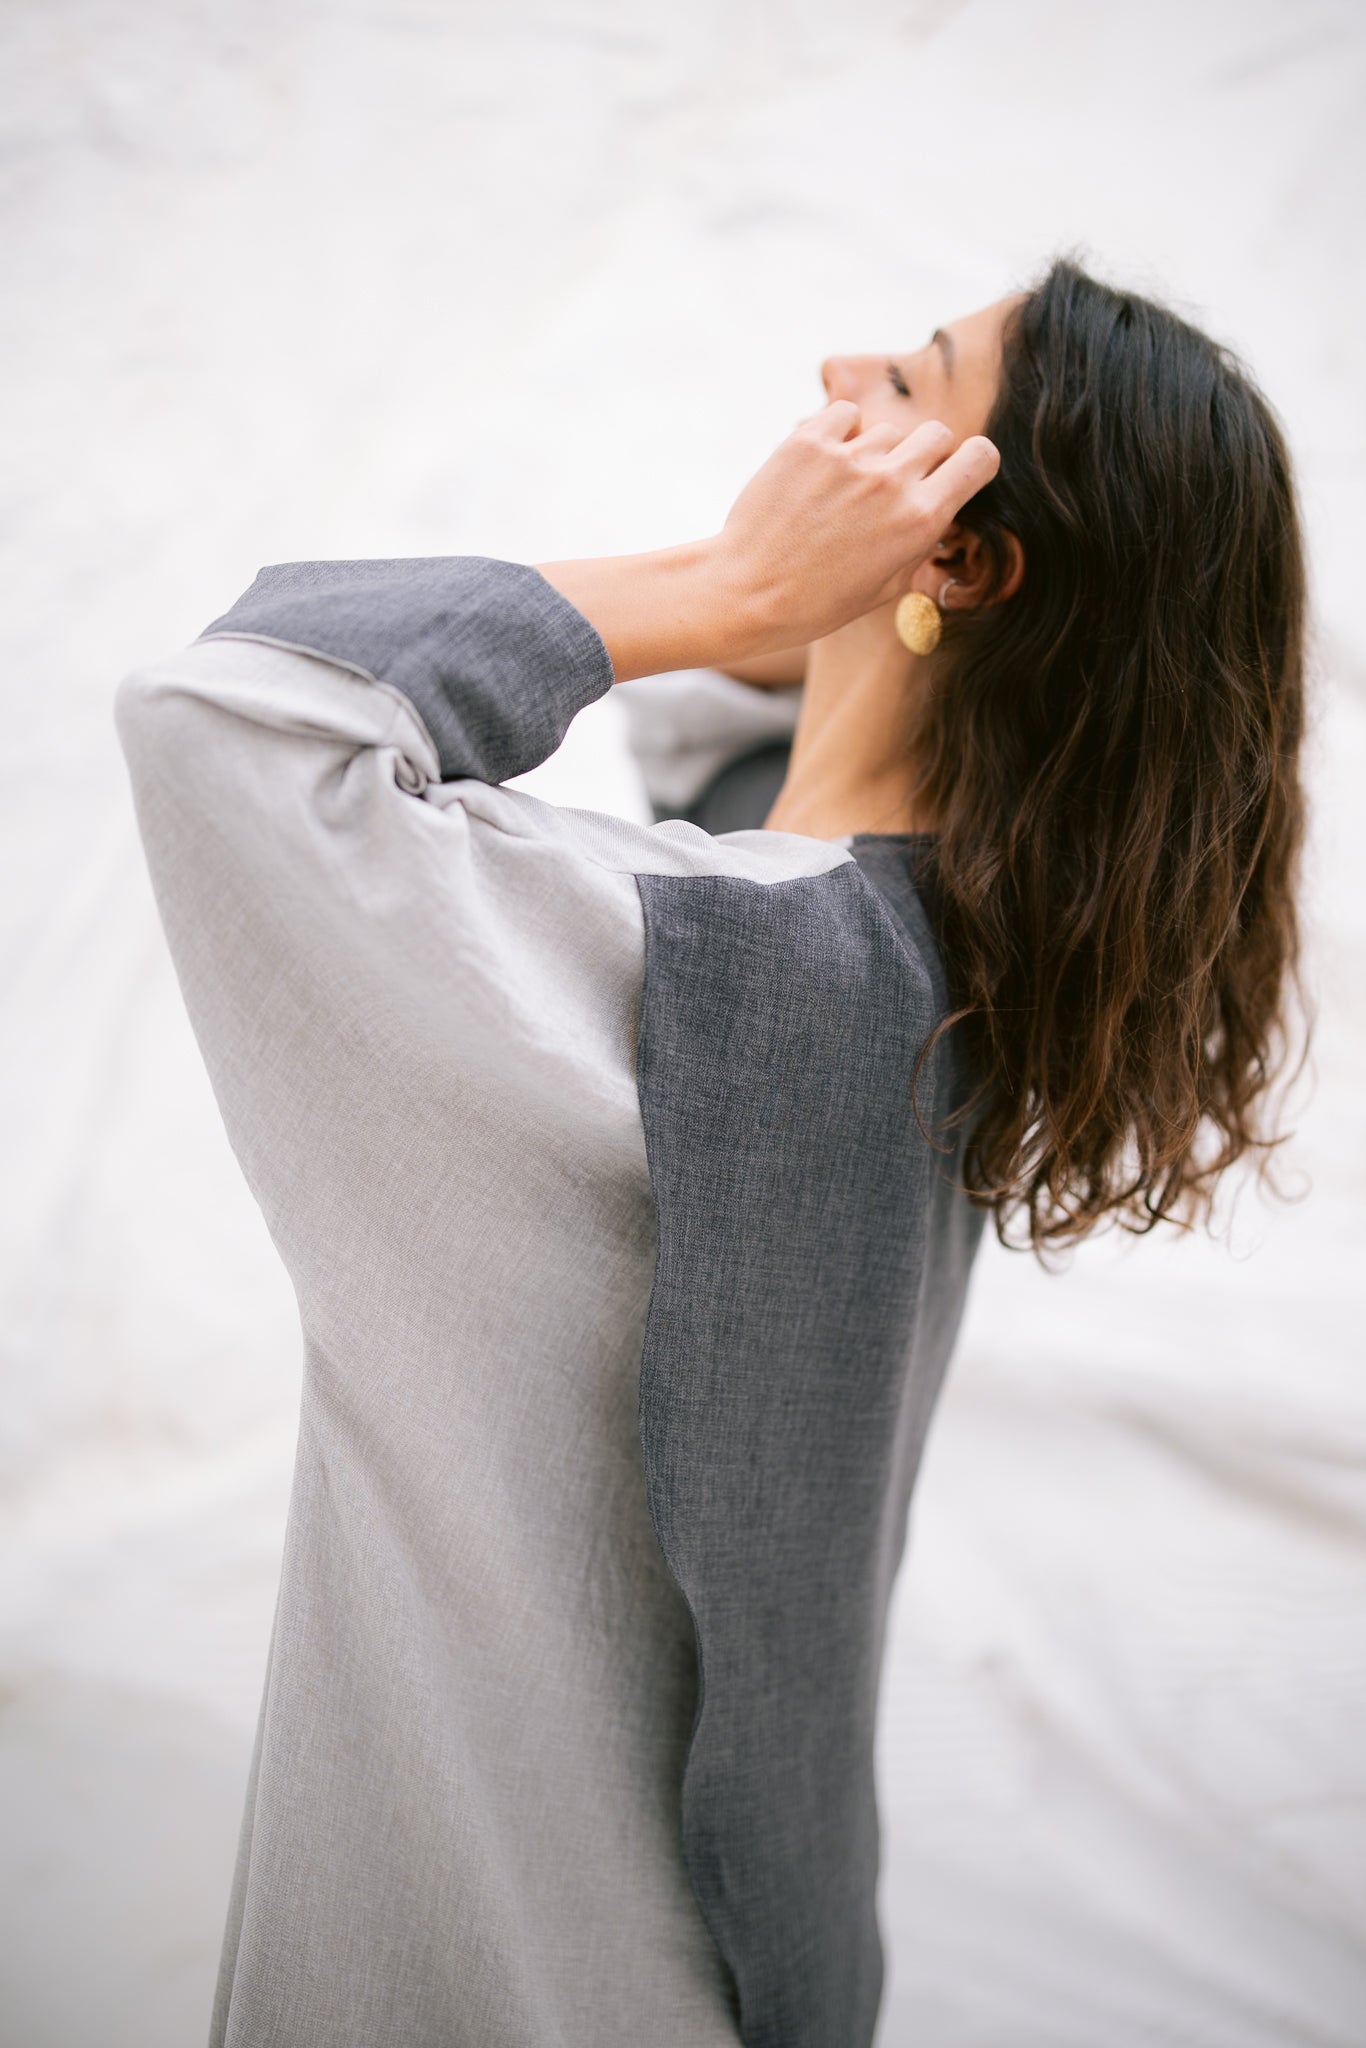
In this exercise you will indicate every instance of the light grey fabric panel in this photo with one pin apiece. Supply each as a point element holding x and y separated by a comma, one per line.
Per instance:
<point>812,1268</point>
<point>496,661</point>
<point>418,1013</point>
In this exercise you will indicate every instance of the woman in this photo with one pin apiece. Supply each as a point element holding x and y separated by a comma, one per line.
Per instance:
<point>630,1178</point>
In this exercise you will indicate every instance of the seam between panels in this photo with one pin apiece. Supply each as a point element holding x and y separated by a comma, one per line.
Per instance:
<point>399,703</point>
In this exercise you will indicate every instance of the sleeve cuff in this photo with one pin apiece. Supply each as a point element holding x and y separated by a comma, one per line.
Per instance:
<point>495,660</point>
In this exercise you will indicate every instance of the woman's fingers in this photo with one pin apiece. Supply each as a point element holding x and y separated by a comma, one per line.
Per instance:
<point>961,475</point>
<point>838,421</point>
<point>923,448</point>
<point>877,440</point>
<point>929,450</point>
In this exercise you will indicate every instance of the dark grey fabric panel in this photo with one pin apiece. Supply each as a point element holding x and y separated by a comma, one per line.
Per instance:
<point>495,659</point>
<point>812,1266</point>
<point>739,796</point>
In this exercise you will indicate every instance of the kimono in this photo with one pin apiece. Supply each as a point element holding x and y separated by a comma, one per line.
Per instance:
<point>627,1277</point>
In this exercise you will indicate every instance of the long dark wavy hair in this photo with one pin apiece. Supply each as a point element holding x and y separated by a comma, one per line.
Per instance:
<point>1112,758</point>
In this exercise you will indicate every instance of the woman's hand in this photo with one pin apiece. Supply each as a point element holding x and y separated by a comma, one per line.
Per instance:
<point>835,523</point>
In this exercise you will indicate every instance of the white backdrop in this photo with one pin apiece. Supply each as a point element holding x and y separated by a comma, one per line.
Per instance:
<point>285,278</point>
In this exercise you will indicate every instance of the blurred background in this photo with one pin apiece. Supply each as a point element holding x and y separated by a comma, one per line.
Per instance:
<point>301,278</point>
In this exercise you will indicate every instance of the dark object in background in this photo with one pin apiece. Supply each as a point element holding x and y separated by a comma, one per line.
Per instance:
<point>739,796</point>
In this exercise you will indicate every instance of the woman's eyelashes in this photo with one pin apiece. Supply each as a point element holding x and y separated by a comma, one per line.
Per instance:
<point>897,381</point>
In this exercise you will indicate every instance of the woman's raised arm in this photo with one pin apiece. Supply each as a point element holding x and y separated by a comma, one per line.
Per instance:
<point>836,522</point>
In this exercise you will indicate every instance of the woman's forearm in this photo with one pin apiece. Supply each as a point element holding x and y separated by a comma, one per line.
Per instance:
<point>680,607</point>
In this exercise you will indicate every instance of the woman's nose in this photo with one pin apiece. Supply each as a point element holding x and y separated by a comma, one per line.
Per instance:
<point>839,375</point>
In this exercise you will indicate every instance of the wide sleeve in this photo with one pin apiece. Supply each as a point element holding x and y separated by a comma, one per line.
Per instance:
<point>307,778</point>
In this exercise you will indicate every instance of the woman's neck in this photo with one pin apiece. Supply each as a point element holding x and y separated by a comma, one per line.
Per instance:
<point>852,768</point>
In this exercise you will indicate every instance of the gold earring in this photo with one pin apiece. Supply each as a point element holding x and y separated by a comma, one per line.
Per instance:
<point>919,620</point>
<point>918,623</point>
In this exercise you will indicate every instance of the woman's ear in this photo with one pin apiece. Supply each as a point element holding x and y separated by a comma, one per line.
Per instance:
<point>962,557</point>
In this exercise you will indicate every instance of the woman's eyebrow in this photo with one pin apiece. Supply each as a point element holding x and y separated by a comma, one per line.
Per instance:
<point>945,342</point>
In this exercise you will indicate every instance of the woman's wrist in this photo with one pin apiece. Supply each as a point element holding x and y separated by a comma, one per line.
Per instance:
<point>680,607</point>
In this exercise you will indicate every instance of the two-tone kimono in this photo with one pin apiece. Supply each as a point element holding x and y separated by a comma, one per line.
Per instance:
<point>627,1278</point>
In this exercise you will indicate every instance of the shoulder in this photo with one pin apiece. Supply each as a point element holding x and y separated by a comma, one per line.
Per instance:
<point>624,846</point>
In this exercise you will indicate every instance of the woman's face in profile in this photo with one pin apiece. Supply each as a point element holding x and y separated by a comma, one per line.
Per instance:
<point>953,378</point>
